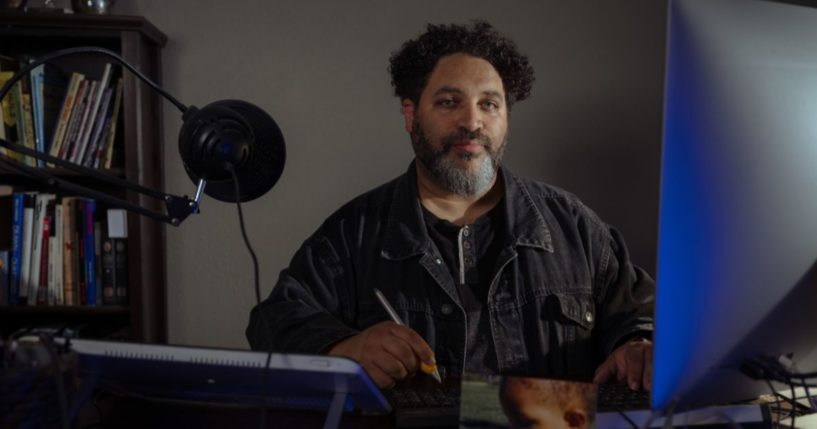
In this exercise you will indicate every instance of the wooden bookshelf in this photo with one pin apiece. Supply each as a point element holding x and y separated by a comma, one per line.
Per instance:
<point>139,159</point>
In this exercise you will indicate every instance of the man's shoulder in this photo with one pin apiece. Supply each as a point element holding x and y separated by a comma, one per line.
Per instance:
<point>549,197</point>
<point>368,203</point>
<point>543,192</point>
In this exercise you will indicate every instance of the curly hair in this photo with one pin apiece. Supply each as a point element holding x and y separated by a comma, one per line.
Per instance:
<point>413,63</point>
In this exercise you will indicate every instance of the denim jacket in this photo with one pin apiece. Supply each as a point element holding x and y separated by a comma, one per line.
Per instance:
<point>563,296</point>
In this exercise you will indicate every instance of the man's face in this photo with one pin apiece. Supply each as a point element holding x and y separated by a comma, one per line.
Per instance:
<point>459,126</point>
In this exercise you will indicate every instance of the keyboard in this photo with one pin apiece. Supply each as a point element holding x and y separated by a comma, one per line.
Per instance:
<point>619,397</point>
<point>425,404</point>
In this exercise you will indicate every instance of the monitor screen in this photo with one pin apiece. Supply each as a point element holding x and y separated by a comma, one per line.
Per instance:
<point>738,212</point>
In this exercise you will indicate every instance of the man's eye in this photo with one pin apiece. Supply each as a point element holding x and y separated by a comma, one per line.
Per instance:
<point>490,105</point>
<point>446,102</point>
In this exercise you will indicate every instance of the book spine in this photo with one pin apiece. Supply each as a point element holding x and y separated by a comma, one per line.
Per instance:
<point>107,157</point>
<point>16,247</point>
<point>82,290</point>
<point>28,238</point>
<point>57,253</point>
<point>90,263</point>
<point>36,249</point>
<point>42,290</point>
<point>120,246</point>
<point>69,251</point>
<point>108,267</point>
<point>65,114</point>
<point>76,118</point>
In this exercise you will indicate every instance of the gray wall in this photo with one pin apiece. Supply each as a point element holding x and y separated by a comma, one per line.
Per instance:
<point>592,125</point>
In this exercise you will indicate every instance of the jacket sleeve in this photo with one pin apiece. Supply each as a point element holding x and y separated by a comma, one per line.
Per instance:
<point>310,307</point>
<point>626,299</point>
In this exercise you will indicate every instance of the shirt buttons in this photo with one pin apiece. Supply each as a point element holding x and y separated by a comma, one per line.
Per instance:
<point>447,309</point>
<point>465,231</point>
<point>588,316</point>
<point>438,261</point>
<point>466,244</point>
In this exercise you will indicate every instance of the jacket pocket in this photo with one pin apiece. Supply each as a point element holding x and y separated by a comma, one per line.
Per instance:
<point>577,309</point>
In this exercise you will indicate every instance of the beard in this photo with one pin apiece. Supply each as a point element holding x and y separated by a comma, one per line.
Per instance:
<point>445,171</point>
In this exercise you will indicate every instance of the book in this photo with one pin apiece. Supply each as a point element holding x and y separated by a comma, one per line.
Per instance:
<point>8,118</point>
<point>52,88</point>
<point>6,237</point>
<point>65,114</point>
<point>16,248</point>
<point>76,119</point>
<point>70,254</point>
<point>8,107</point>
<point>28,237</point>
<point>23,139</point>
<point>40,217</point>
<point>108,279</point>
<point>99,125</point>
<point>4,277</point>
<point>79,219</point>
<point>120,246</point>
<point>107,158</point>
<point>56,256</point>
<point>116,266</point>
<point>43,287</point>
<point>94,101</point>
<point>98,257</point>
<point>90,260</point>
<point>76,142</point>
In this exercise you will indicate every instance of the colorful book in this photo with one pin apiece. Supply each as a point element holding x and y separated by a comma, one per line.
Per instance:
<point>65,114</point>
<point>107,157</point>
<point>16,248</point>
<point>28,238</point>
<point>74,123</point>
<point>55,256</point>
<point>69,256</point>
<point>90,260</point>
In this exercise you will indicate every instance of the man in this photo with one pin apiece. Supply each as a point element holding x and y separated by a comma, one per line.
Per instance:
<point>490,272</point>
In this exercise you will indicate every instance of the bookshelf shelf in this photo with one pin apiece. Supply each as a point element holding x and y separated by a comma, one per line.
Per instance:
<point>137,158</point>
<point>102,310</point>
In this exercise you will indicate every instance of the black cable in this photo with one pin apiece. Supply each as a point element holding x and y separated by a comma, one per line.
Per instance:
<point>229,167</point>
<point>626,417</point>
<point>89,49</point>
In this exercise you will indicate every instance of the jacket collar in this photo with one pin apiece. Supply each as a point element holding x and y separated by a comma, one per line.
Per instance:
<point>407,236</point>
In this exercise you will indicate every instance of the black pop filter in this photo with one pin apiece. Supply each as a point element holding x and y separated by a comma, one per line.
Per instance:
<point>232,132</point>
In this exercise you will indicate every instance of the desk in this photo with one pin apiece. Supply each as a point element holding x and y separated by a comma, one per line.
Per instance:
<point>112,410</point>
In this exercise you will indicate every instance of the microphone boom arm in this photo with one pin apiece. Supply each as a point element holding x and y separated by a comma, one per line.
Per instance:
<point>178,208</point>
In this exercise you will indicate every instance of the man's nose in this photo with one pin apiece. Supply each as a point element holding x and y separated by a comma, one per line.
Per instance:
<point>470,118</point>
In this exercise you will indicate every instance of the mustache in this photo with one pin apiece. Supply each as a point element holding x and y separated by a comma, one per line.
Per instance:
<point>450,140</point>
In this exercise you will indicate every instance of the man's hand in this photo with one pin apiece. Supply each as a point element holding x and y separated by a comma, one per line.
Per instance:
<point>631,362</point>
<point>387,351</point>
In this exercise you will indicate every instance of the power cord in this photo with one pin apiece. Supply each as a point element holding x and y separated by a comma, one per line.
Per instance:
<point>229,167</point>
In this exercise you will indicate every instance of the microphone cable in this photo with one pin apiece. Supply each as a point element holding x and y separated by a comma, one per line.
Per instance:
<point>229,167</point>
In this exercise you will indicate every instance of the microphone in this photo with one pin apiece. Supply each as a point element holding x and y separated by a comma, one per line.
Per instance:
<point>222,137</point>
<point>232,132</point>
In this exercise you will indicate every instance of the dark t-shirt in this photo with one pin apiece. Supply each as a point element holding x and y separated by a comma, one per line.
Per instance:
<point>470,253</point>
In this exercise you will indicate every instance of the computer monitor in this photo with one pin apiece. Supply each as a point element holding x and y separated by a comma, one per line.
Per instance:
<point>737,273</point>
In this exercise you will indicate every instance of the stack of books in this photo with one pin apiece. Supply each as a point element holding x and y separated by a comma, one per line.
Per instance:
<point>69,116</point>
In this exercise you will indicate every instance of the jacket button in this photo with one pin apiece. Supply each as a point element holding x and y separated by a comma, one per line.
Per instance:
<point>588,316</point>
<point>447,309</point>
<point>438,261</point>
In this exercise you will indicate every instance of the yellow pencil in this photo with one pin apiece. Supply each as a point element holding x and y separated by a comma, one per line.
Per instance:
<point>428,369</point>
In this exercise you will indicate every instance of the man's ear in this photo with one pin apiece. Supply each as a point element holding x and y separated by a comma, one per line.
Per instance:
<point>576,418</point>
<point>408,114</point>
